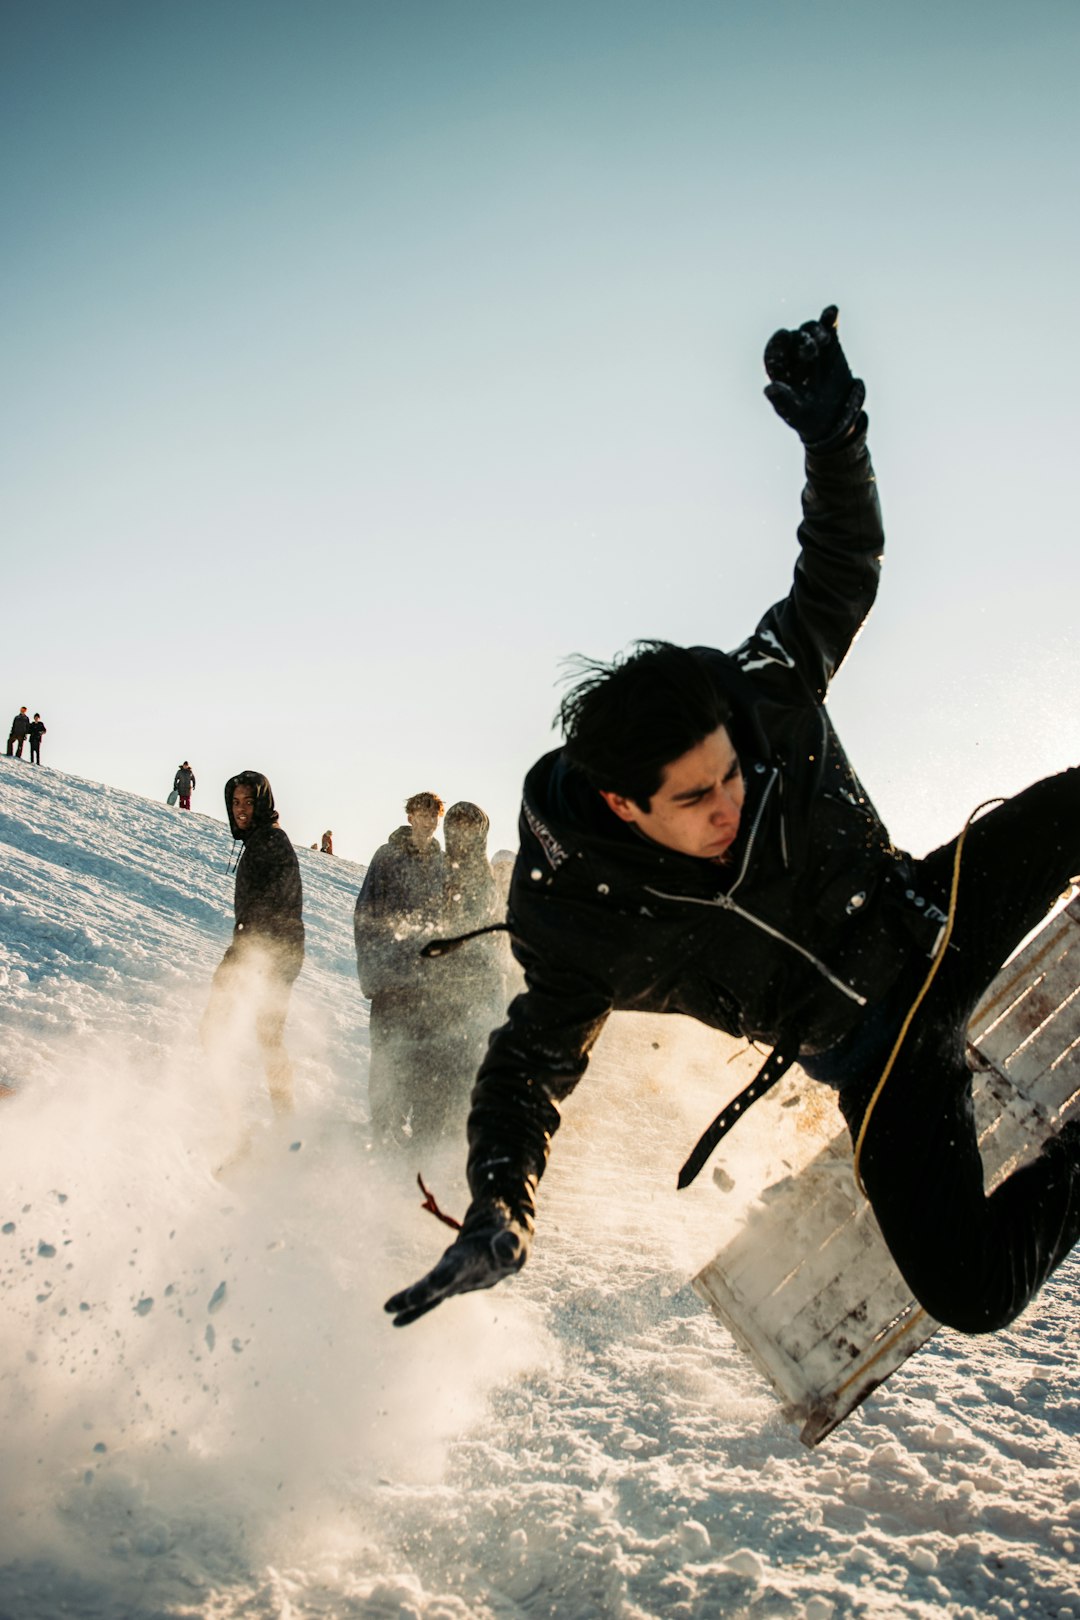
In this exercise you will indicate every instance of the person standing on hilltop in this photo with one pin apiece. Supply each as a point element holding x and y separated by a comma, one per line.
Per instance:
<point>184,785</point>
<point>259,968</point>
<point>17,736</point>
<point>37,731</point>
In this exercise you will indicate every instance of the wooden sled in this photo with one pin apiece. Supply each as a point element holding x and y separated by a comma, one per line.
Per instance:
<point>807,1286</point>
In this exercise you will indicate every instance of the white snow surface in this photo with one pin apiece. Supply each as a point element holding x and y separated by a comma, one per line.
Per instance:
<point>205,1411</point>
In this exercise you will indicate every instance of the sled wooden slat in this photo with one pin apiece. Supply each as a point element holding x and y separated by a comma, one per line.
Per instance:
<point>998,1142</point>
<point>1040,1050</point>
<point>834,1319</point>
<point>825,1304</point>
<point>1059,1086</point>
<point>1029,989</point>
<point>759,1273</point>
<point>1032,1034</point>
<point>1019,971</point>
<point>807,1286</point>
<point>822,1213</point>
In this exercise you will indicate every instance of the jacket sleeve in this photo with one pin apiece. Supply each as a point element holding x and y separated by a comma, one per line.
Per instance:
<point>533,1063</point>
<point>836,576</point>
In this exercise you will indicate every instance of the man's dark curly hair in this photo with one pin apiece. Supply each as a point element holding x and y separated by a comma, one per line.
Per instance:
<point>625,721</point>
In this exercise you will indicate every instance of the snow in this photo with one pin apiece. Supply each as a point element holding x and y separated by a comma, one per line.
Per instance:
<point>206,1413</point>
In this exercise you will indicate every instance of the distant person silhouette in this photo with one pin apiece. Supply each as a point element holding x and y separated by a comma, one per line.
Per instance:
<point>37,731</point>
<point>20,726</point>
<point>184,785</point>
<point>327,845</point>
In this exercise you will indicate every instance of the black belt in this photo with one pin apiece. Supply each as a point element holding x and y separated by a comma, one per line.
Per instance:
<point>776,1065</point>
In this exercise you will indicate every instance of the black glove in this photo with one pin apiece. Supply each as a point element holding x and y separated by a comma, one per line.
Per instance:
<point>491,1245</point>
<point>812,387</point>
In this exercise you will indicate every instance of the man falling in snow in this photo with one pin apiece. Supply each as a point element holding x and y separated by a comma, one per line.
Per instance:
<point>701,845</point>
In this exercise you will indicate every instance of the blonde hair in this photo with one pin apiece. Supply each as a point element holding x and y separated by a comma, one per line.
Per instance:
<point>424,801</point>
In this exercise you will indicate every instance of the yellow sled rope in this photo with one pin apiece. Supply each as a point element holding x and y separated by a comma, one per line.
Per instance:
<point>939,956</point>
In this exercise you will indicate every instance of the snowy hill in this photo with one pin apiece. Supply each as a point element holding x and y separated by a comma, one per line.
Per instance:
<point>205,1412</point>
<point>111,902</point>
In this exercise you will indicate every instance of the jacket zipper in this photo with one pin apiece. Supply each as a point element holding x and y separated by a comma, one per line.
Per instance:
<point>724,902</point>
<point>770,784</point>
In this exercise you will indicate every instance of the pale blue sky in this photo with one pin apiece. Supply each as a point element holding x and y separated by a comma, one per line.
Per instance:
<point>362,360</point>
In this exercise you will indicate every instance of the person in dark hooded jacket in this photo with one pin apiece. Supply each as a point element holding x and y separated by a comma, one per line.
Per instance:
<point>267,949</point>
<point>701,845</point>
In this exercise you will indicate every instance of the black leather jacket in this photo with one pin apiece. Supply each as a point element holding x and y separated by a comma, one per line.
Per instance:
<point>807,924</point>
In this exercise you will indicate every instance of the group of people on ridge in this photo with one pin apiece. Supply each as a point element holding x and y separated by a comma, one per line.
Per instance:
<point>23,727</point>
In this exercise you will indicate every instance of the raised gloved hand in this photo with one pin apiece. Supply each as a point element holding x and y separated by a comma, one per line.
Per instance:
<point>491,1245</point>
<point>812,387</point>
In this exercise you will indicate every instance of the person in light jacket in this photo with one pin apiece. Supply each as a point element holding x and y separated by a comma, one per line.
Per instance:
<point>184,785</point>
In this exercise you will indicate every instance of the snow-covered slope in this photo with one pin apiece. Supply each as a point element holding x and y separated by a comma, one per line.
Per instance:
<point>205,1412</point>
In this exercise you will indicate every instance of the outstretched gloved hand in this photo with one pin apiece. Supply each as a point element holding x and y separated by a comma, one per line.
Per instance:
<point>492,1245</point>
<point>812,387</point>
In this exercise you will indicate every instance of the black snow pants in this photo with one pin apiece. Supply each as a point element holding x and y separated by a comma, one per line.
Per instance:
<point>973,1261</point>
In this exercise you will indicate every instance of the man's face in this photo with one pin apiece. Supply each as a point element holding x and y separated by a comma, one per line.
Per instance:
<point>697,807</point>
<point>423,823</point>
<point>243,805</point>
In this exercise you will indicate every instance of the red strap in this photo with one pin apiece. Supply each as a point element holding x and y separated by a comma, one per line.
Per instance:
<point>432,1207</point>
